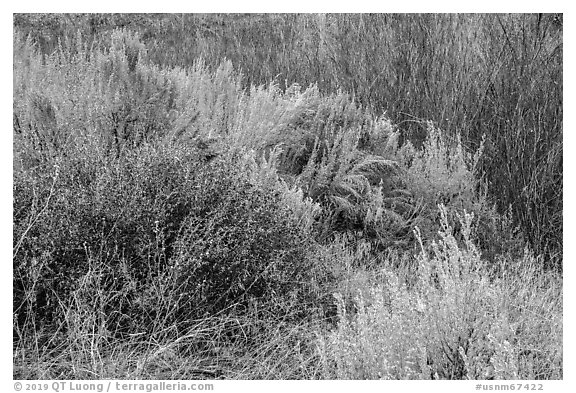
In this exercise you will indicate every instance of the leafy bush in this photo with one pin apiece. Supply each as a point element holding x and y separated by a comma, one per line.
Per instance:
<point>158,218</point>
<point>238,244</point>
<point>358,191</point>
<point>125,213</point>
<point>294,120</point>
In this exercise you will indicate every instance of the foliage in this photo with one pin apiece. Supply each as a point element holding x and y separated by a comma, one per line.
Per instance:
<point>111,100</point>
<point>173,217</point>
<point>238,244</point>
<point>454,322</point>
<point>473,74</point>
<point>122,215</point>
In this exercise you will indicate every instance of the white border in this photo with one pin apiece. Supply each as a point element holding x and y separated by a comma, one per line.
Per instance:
<point>296,6</point>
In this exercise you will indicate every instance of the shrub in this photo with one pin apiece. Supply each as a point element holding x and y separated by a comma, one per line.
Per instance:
<point>294,120</point>
<point>263,172</point>
<point>238,245</point>
<point>112,99</point>
<point>123,213</point>
<point>444,172</point>
<point>358,192</point>
<point>453,323</point>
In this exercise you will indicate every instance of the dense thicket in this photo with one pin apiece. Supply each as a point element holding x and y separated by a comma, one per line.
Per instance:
<point>493,75</point>
<point>184,208</point>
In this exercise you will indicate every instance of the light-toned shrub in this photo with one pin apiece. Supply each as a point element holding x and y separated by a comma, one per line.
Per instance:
<point>444,172</point>
<point>454,322</point>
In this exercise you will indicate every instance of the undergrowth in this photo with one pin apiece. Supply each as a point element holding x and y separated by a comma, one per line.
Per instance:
<point>186,223</point>
<point>454,321</point>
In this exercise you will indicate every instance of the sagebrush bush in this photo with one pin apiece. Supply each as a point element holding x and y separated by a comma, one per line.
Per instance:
<point>263,171</point>
<point>453,323</point>
<point>296,120</point>
<point>443,172</point>
<point>112,99</point>
<point>359,192</point>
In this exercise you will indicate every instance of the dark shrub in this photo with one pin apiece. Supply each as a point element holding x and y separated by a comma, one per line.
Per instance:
<point>169,235</point>
<point>120,214</point>
<point>238,245</point>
